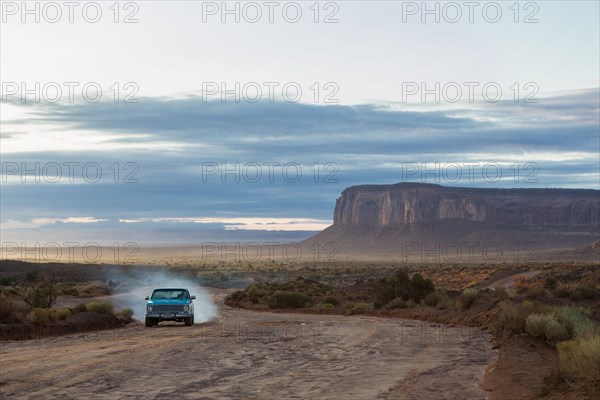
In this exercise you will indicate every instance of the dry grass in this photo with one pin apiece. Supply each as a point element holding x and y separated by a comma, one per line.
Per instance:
<point>580,363</point>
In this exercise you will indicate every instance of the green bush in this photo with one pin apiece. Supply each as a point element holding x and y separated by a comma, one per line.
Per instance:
<point>420,287</point>
<point>70,291</point>
<point>331,300</point>
<point>550,282</point>
<point>468,297</point>
<point>561,291</point>
<point>61,313</point>
<point>410,303</point>
<point>9,290</point>
<point>401,285</point>
<point>5,280</point>
<point>547,327</point>
<point>439,299</point>
<point>398,302</point>
<point>287,299</point>
<point>39,316</point>
<point>579,361</point>
<point>501,293</point>
<point>432,299</point>
<point>101,307</point>
<point>360,308</point>
<point>576,322</point>
<point>79,308</point>
<point>512,316</point>
<point>584,292</point>
<point>446,303</point>
<point>8,314</point>
<point>42,291</point>
<point>325,306</point>
<point>255,292</point>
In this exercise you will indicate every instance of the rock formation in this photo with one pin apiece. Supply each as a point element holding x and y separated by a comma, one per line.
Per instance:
<point>382,219</point>
<point>414,204</point>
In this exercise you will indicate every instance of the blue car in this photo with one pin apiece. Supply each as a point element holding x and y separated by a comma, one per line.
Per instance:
<point>169,304</point>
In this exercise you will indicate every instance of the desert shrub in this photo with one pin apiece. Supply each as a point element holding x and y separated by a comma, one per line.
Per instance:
<point>79,308</point>
<point>9,290</point>
<point>360,308</point>
<point>236,296</point>
<point>31,276</point>
<point>447,303</point>
<point>42,291</point>
<point>439,299</point>
<point>584,292</point>
<point>574,321</point>
<point>325,306</point>
<point>501,293</point>
<point>512,316</point>
<point>550,282</point>
<point>432,299</point>
<point>401,285</point>
<point>398,302</point>
<point>85,289</point>
<point>523,284</point>
<point>125,313</point>
<point>547,327</point>
<point>59,314</point>
<point>536,291</point>
<point>100,307</point>
<point>553,382</point>
<point>561,291</point>
<point>468,297</point>
<point>5,280</point>
<point>256,292</point>
<point>579,361</point>
<point>331,300</point>
<point>420,287</point>
<point>398,285</point>
<point>288,299</point>
<point>39,316</point>
<point>529,286</point>
<point>8,314</point>
<point>70,291</point>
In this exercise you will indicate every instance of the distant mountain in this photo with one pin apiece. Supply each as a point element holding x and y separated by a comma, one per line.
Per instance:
<point>390,218</point>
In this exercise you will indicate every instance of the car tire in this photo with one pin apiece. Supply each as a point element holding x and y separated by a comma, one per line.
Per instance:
<point>149,322</point>
<point>189,321</point>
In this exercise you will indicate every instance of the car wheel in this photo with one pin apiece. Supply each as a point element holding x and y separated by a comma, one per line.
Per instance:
<point>189,321</point>
<point>149,322</point>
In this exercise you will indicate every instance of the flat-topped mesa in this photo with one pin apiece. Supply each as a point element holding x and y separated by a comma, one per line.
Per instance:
<point>412,205</point>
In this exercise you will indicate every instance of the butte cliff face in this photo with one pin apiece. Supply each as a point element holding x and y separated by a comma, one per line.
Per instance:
<point>382,218</point>
<point>413,204</point>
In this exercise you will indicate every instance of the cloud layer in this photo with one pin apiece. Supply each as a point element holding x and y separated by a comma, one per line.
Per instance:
<point>165,160</point>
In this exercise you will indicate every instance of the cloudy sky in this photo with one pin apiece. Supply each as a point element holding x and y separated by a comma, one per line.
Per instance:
<point>179,122</point>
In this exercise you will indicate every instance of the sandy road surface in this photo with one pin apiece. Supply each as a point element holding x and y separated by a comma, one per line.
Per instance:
<point>251,355</point>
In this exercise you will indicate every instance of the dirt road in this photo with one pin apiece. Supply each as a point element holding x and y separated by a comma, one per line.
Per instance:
<point>251,355</point>
<point>509,281</point>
